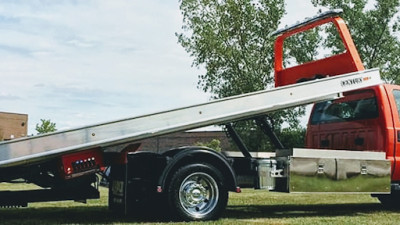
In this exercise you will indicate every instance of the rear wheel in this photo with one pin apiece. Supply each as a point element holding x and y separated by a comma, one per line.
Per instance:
<point>197,192</point>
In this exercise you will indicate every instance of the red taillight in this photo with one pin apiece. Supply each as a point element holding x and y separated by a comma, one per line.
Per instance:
<point>80,163</point>
<point>238,190</point>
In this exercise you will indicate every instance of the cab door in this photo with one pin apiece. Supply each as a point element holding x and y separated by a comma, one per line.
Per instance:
<point>391,111</point>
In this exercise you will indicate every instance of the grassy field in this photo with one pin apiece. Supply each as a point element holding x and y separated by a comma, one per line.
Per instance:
<point>249,207</point>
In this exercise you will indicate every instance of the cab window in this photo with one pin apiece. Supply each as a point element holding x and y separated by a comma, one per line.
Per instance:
<point>396,94</point>
<point>341,111</point>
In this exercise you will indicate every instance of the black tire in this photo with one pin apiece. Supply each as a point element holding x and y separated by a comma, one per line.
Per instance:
<point>197,192</point>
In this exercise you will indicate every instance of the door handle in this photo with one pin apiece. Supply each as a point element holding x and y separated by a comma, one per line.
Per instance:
<point>324,143</point>
<point>360,141</point>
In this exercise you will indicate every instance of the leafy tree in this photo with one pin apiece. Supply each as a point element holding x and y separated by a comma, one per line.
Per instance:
<point>375,28</point>
<point>302,47</point>
<point>213,144</point>
<point>46,126</point>
<point>292,137</point>
<point>231,39</point>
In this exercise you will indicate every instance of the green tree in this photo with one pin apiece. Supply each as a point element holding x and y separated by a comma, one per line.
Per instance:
<point>374,26</point>
<point>213,144</point>
<point>45,126</point>
<point>293,137</point>
<point>231,39</point>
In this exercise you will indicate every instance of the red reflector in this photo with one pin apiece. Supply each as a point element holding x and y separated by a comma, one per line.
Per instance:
<point>238,190</point>
<point>159,189</point>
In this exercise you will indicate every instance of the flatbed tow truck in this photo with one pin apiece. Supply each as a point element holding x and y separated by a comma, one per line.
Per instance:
<point>192,183</point>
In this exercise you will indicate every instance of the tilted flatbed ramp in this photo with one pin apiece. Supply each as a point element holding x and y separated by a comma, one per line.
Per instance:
<point>34,149</point>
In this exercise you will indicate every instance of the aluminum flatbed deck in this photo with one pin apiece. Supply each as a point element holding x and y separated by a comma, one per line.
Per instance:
<point>35,149</point>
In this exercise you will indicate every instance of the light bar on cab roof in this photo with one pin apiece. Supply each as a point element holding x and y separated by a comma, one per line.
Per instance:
<point>327,14</point>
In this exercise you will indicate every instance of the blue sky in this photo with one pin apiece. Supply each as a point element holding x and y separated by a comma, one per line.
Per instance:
<point>83,62</point>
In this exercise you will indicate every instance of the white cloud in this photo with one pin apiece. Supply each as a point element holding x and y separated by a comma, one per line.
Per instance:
<point>82,62</point>
<point>297,11</point>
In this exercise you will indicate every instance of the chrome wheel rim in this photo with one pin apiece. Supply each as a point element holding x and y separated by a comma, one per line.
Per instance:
<point>198,194</point>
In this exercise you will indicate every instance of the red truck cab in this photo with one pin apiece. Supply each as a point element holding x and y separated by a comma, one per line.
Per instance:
<point>363,120</point>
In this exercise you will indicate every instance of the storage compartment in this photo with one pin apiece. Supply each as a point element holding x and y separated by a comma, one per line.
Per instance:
<point>266,170</point>
<point>310,170</point>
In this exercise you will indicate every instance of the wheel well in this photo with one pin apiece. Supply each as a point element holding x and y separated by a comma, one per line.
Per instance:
<point>193,155</point>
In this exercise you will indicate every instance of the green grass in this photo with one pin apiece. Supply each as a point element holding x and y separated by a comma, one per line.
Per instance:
<point>365,183</point>
<point>249,207</point>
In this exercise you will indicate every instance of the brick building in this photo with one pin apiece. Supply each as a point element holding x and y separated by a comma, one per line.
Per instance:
<point>166,142</point>
<point>13,125</point>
